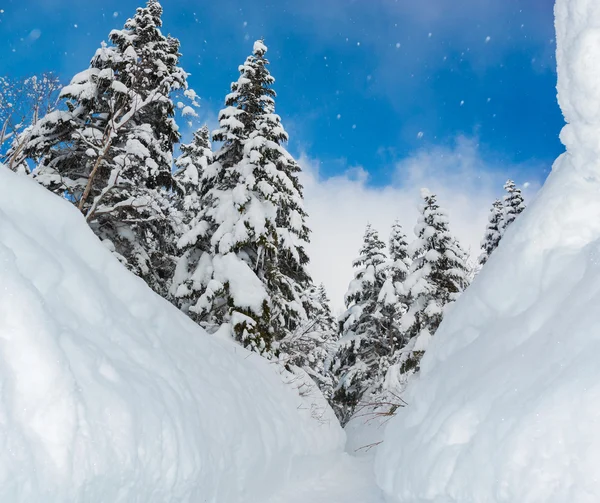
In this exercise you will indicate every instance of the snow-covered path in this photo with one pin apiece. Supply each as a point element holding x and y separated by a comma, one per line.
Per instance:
<point>349,480</point>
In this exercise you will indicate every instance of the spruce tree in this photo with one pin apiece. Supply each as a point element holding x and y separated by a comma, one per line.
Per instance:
<point>194,175</point>
<point>438,275</point>
<point>513,204</point>
<point>492,232</point>
<point>399,255</point>
<point>110,152</point>
<point>192,165</point>
<point>393,300</point>
<point>254,215</point>
<point>365,338</point>
<point>392,295</point>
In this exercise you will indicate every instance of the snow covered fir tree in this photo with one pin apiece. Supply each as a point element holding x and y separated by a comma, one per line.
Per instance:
<point>513,204</point>
<point>109,150</point>
<point>249,271</point>
<point>437,276</point>
<point>365,327</point>
<point>194,174</point>
<point>493,232</point>
<point>502,214</point>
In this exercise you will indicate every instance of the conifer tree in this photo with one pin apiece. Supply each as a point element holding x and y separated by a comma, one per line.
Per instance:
<point>438,275</point>
<point>110,152</point>
<point>254,216</point>
<point>492,232</point>
<point>193,168</point>
<point>513,204</point>
<point>393,299</point>
<point>392,296</point>
<point>194,177</point>
<point>365,339</point>
<point>399,255</point>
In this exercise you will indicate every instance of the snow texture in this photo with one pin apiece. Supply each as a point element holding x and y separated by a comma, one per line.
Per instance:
<point>109,393</point>
<point>506,406</point>
<point>347,480</point>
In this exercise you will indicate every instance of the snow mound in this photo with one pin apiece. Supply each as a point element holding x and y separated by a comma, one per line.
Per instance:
<point>507,406</point>
<point>108,393</point>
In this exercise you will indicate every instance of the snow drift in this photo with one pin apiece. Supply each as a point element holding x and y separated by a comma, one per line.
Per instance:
<point>109,394</point>
<point>507,407</point>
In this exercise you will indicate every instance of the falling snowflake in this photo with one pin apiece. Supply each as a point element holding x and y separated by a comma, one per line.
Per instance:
<point>487,39</point>
<point>420,135</point>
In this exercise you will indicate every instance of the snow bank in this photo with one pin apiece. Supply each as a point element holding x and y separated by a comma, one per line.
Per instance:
<point>109,394</point>
<point>507,408</point>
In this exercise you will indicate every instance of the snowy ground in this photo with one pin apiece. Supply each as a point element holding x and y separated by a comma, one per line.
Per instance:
<point>347,479</point>
<point>110,394</point>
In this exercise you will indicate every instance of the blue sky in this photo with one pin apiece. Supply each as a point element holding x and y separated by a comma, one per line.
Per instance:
<point>360,82</point>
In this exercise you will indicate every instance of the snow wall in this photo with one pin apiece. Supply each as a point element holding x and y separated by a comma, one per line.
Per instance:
<point>507,407</point>
<point>109,394</point>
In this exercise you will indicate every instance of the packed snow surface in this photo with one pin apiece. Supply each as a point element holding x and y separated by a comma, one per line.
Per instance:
<point>346,480</point>
<point>507,406</point>
<point>109,394</point>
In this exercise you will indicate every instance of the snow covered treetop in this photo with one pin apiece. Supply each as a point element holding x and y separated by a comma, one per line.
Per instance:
<point>259,49</point>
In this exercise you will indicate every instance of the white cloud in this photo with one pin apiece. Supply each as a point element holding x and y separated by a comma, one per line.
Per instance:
<point>340,207</point>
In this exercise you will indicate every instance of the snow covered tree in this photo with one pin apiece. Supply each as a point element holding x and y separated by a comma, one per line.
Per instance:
<point>194,177</point>
<point>493,232</point>
<point>513,204</point>
<point>111,151</point>
<point>392,295</point>
<point>438,275</point>
<point>365,331</point>
<point>254,217</point>
<point>192,166</point>
<point>399,255</point>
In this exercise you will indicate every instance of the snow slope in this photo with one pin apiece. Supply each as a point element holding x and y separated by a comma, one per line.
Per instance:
<point>110,394</point>
<point>507,407</point>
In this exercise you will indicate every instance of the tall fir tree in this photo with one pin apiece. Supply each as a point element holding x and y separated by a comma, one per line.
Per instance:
<point>513,204</point>
<point>493,232</point>
<point>194,176</point>
<point>437,277</point>
<point>392,295</point>
<point>192,169</point>
<point>254,217</point>
<point>399,255</point>
<point>110,152</point>
<point>365,334</point>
